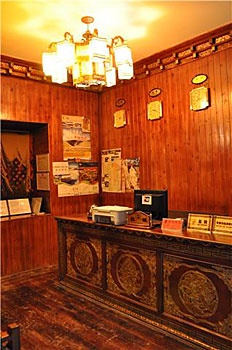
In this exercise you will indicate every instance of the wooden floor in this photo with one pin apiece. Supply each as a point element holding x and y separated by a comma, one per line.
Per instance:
<point>52,318</point>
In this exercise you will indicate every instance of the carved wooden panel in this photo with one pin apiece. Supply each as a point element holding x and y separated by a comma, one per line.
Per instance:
<point>199,293</point>
<point>182,286</point>
<point>131,273</point>
<point>84,259</point>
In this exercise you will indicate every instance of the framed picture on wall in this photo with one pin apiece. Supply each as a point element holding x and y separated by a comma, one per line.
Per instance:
<point>36,204</point>
<point>42,162</point>
<point>4,208</point>
<point>19,206</point>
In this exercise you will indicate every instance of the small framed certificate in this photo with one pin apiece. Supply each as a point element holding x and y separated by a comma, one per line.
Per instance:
<point>42,162</point>
<point>4,208</point>
<point>36,204</point>
<point>19,206</point>
<point>43,181</point>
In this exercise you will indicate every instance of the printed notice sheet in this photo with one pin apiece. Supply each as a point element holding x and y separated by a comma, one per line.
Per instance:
<point>111,170</point>
<point>76,137</point>
<point>42,162</point>
<point>81,179</point>
<point>131,174</point>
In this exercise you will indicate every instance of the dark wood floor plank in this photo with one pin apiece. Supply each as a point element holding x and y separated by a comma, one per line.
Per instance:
<point>53,318</point>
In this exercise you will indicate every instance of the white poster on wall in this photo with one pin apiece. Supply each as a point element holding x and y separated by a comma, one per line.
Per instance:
<point>76,138</point>
<point>111,172</point>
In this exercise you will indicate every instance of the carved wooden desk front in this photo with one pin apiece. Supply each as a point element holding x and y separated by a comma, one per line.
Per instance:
<point>178,283</point>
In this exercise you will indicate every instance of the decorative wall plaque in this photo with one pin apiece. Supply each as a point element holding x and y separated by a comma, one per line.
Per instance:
<point>199,78</point>
<point>154,92</point>
<point>154,110</point>
<point>120,102</point>
<point>199,98</point>
<point>120,118</point>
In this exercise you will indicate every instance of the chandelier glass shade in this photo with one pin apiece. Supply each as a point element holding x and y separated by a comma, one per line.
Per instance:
<point>90,62</point>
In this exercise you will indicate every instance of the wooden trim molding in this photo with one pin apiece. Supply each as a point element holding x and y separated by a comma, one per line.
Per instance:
<point>198,47</point>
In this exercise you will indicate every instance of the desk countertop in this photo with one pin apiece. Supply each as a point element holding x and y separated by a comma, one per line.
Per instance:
<point>219,238</point>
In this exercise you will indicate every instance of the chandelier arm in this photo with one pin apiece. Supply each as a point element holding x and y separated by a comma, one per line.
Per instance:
<point>117,41</point>
<point>68,37</point>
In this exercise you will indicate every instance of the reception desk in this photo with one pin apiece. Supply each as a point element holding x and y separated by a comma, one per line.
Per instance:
<point>178,283</point>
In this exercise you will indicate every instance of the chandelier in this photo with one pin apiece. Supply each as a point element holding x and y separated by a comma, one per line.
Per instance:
<point>90,62</point>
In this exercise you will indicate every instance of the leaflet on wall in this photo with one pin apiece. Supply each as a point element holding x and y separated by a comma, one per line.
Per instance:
<point>43,181</point>
<point>131,174</point>
<point>59,169</point>
<point>82,179</point>
<point>42,162</point>
<point>76,137</point>
<point>111,172</point>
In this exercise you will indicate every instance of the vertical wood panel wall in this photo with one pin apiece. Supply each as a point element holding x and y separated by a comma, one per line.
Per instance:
<point>30,101</point>
<point>187,152</point>
<point>32,243</point>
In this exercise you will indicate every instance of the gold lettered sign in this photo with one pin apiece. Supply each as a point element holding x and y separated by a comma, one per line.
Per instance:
<point>222,224</point>
<point>200,222</point>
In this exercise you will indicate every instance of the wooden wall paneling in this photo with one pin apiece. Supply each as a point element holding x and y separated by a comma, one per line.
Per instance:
<point>228,128</point>
<point>220,133</point>
<point>67,101</point>
<point>188,152</point>
<point>180,151</point>
<point>217,124</point>
<point>31,101</point>
<point>198,153</point>
<point>24,100</point>
<point>153,149</point>
<point>28,243</point>
<point>11,253</point>
<point>174,139</point>
<point>223,130</point>
<point>46,103</point>
<point>40,139</point>
<point>118,137</point>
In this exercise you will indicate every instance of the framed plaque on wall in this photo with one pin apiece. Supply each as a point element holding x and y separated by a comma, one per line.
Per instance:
<point>19,206</point>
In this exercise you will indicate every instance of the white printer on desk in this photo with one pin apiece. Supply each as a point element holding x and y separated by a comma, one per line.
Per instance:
<point>111,214</point>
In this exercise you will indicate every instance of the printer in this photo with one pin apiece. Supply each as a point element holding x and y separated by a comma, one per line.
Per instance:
<point>111,214</point>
